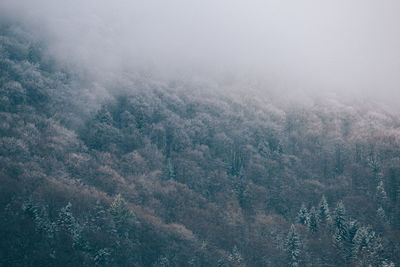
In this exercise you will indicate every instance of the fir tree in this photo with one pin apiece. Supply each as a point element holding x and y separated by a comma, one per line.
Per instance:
<point>65,217</point>
<point>292,246</point>
<point>100,219</point>
<point>162,261</point>
<point>367,247</point>
<point>340,223</point>
<point>341,234</point>
<point>323,212</point>
<point>170,170</point>
<point>387,264</point>
<point>100,213</point>
<point>381,214</point>
<point>41,218</point>
<point>120,213</point>
<point>68,221</point>
<point>103,257</point>
<point>235,258</point>
<point>313,224</point>
<point>352,228</point>
<point>381,195</point>
<point>303,216</point>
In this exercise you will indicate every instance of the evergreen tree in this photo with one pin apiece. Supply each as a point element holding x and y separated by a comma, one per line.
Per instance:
<point>292,246</point>
<point>170,170</point>
<point>41,218</point>
<point>100,213</point>
<point>382,200</point>
<point>367,247</point>
<point>361,241</point>
<point>341,234</point>
<point>313,224</point>
<point>323,213</point>
<point>235,258</point>
<point>121,214</point>
<point>340,223</point>
<point>352,228</point>
<point>103,257</point>
<point>374,164</point>
<point>68,221</point>
<point>65,217</point>
<point>381,214</point>
<point>388,264</point>
<point>381,195</point>
<point>100,219</point>
<point>303,216</point>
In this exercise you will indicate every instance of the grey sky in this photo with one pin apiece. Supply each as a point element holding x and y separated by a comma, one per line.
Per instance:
<point>333,45</point>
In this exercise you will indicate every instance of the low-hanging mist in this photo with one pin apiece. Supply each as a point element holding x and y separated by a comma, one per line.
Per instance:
<point>341,47</point>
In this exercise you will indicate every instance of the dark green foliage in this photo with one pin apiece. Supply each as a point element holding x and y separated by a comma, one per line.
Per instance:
<point>340,223</point>
<point>343,232</point>
<point>324,215</point>
<point>313,222</point>
<point>122,216</point>
<point>303,216</point>
<point>293,247</point>
<point>67,222</point>
<point>235,258</point>
<point>381,195</point>
<point>367,247</point>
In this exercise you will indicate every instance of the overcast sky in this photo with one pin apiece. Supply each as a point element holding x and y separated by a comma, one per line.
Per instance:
<point>327,45</point>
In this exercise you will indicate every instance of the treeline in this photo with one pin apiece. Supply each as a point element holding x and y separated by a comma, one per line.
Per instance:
<point>173,174</point>
<point>336,235</point>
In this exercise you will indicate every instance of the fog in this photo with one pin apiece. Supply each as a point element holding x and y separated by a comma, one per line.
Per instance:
<point>343,47</point>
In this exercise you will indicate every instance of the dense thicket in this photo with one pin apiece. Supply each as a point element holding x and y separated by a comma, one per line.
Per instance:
<point>172,174</point>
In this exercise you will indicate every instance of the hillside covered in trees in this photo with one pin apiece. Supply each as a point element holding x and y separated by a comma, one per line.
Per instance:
<point>178,174</point>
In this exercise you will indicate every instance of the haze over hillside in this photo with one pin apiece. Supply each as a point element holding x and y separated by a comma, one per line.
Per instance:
<point>212,133</point>
<point>332,46</point>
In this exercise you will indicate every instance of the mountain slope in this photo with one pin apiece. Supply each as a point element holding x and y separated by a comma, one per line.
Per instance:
<point>173,174</point>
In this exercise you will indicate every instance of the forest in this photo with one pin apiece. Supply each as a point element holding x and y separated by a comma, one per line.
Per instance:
<point>176,173</point>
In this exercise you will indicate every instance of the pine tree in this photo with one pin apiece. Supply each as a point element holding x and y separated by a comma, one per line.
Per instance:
<point>340,223</point>
<point>100,212</point>
<point>303,216</point>
<point>352,228</point>
<point>381,214</point>
<point>381,195</point>
<point>65,216</point>
<point>170,170</point>
<point>367,247</point>
<point>235,258</point>
<point>103,257</point>
<point>387,264</point>
<point>323,213</point>
<point>99,218</point>
<point>162,261</point>
<point>341,234</point>
<point>40,216</point>
<point>68,221</point>
<point>121,214</point>
<point>313,224</point>
<point>374,164</point>
<point>292,246</point>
